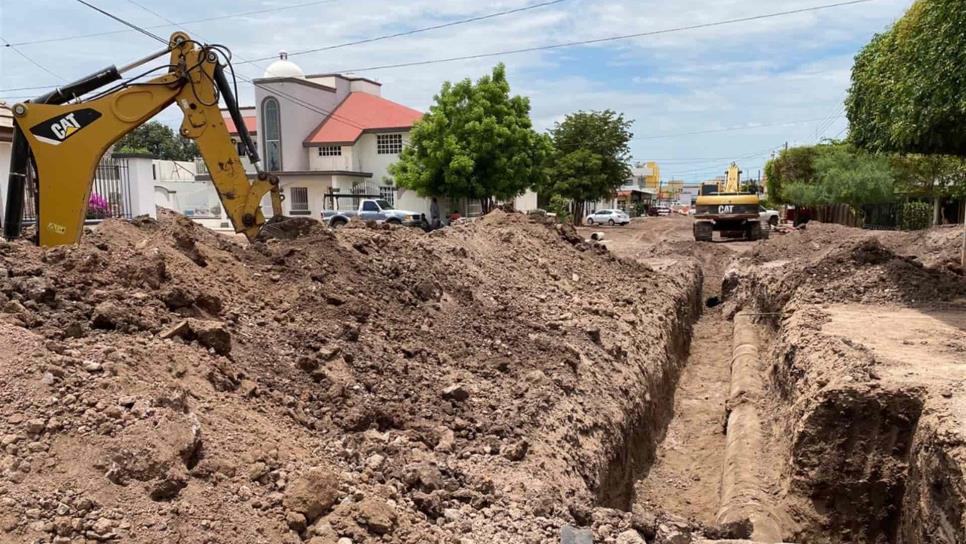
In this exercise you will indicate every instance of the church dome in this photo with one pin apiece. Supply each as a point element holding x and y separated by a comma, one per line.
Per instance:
<point>284,68</point>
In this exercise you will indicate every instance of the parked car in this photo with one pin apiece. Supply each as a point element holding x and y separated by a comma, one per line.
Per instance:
<point>655,211</point>
<point>768,216</point>
<point>377,210</point>
<point>607,217</point>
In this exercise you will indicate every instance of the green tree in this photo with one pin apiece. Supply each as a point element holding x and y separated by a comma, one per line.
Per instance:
<point>160,141</point>
<point>475,142</point>
<point>841,174</point>
<point>855,177</point>
<point>794,165</point>
<point>908,89</point>
<point>932,176</point>
<point>590,156</point>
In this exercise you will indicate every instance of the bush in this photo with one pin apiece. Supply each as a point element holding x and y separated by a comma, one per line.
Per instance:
<point>560,207</point>
<point>98,207</point>
<point>915,216</point>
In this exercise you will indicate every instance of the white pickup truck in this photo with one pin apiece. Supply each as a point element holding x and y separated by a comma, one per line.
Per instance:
<point>766,216</point>
<point>377,210</point>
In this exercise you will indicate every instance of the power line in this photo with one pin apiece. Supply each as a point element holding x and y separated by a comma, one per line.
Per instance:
<point>291,98</point>
<point>303,52</point>
<point>193,21</point>
<point>608,39</point>
<point>123,22</point>
<point>30,60</point>
<point>536,48</point>
<point>823,128</point>
<point>728,129</point>
<point>418,30</point>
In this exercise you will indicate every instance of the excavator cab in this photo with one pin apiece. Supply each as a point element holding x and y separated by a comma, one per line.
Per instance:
<point>59,139</point>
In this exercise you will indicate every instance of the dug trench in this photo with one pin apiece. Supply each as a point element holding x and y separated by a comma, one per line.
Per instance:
<point>503,380</point>
<point>820,398</point>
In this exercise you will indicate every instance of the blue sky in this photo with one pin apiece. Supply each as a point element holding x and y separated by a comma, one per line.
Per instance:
<point>699,98</point>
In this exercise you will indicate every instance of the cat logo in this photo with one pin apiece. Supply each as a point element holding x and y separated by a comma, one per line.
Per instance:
<point>725,208</point>
<point>55,228</point>
<point>57,130</point>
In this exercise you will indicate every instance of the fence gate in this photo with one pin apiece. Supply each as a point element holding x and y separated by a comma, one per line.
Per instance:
<point>110,194</point>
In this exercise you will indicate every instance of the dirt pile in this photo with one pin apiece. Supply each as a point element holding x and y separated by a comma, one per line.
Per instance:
<point>831,263</point>
<point>865,363</point>
<point>483,383</point>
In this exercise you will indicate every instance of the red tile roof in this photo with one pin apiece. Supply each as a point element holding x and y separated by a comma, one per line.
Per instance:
<point>361,112</point>
<point>250,123</point>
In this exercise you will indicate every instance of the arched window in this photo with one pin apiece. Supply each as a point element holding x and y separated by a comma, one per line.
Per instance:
<point>272,135</point>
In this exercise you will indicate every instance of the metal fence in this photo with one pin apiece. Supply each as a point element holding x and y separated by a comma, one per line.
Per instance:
<point>110,194</point>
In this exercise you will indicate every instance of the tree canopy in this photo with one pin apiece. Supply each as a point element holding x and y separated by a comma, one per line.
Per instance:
<point>792,165</point>
<point>908,89</point>
<point>475,142</point>
<point>830,173</point>
<point>160,141</point>
<point>590,157</point>
<point>930,175</point>
<point>835,172</point>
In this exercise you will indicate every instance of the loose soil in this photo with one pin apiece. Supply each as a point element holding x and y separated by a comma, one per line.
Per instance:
<point>864,346</point>
<point>490,382</point>
<point>503,380</point>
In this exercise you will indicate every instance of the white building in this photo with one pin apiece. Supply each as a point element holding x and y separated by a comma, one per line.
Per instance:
<point>177,188</point>
<point>6,137</point>
<point>328,134</point>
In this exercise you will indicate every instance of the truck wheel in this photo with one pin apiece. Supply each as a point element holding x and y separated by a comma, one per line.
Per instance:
<point>394,222</point>
<point>703,231</point>
<point>754,230</point>
<point>773,221</point>
<point>337,223</point>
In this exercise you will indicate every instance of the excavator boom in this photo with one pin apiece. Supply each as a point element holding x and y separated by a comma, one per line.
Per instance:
<point>57,145</point>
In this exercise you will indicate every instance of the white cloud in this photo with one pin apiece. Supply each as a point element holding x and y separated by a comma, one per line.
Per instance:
<point>767,71</point>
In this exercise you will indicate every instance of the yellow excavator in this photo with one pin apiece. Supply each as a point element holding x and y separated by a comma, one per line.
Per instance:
<point>60,137</point>
<point>724,207</point>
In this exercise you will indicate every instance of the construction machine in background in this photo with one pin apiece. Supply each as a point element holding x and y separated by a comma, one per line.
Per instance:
<point>724,207</point>
<point>59,139</point>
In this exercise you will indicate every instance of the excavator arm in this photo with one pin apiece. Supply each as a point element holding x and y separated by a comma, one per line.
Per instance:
<point>58,145</point>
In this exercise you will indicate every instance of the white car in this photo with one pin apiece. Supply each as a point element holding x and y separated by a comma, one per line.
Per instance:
<point>766,216</point>
<point>607,217</point>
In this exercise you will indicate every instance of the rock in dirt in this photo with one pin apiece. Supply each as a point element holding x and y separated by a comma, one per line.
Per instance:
<point>312,494</point>
<point>208,333</point>
<point>168,487</point>
<point>376,515</point>
<point>456,392</point>
<point>211,334</point>
<point>108,315</point>
<point>14,307</point>
<point>572,535</point>
<point>630,536</point>
<point>516,451</point>
<point>424,476</point>
<point>295,521</point>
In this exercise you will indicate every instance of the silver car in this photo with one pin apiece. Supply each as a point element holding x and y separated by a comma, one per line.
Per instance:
<point>607,217</point>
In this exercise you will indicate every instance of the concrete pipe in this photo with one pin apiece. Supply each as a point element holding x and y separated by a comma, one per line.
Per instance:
<point>743,493</point>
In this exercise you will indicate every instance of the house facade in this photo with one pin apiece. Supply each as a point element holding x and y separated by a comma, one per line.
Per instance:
<point>331,138</point>
<point>327,135</point>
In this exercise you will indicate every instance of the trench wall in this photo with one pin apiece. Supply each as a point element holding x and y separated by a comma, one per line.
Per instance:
<point>650,404</point>
<point>866,459</point>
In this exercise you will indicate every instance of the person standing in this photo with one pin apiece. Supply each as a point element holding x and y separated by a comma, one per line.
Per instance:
<point>434,216</point>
